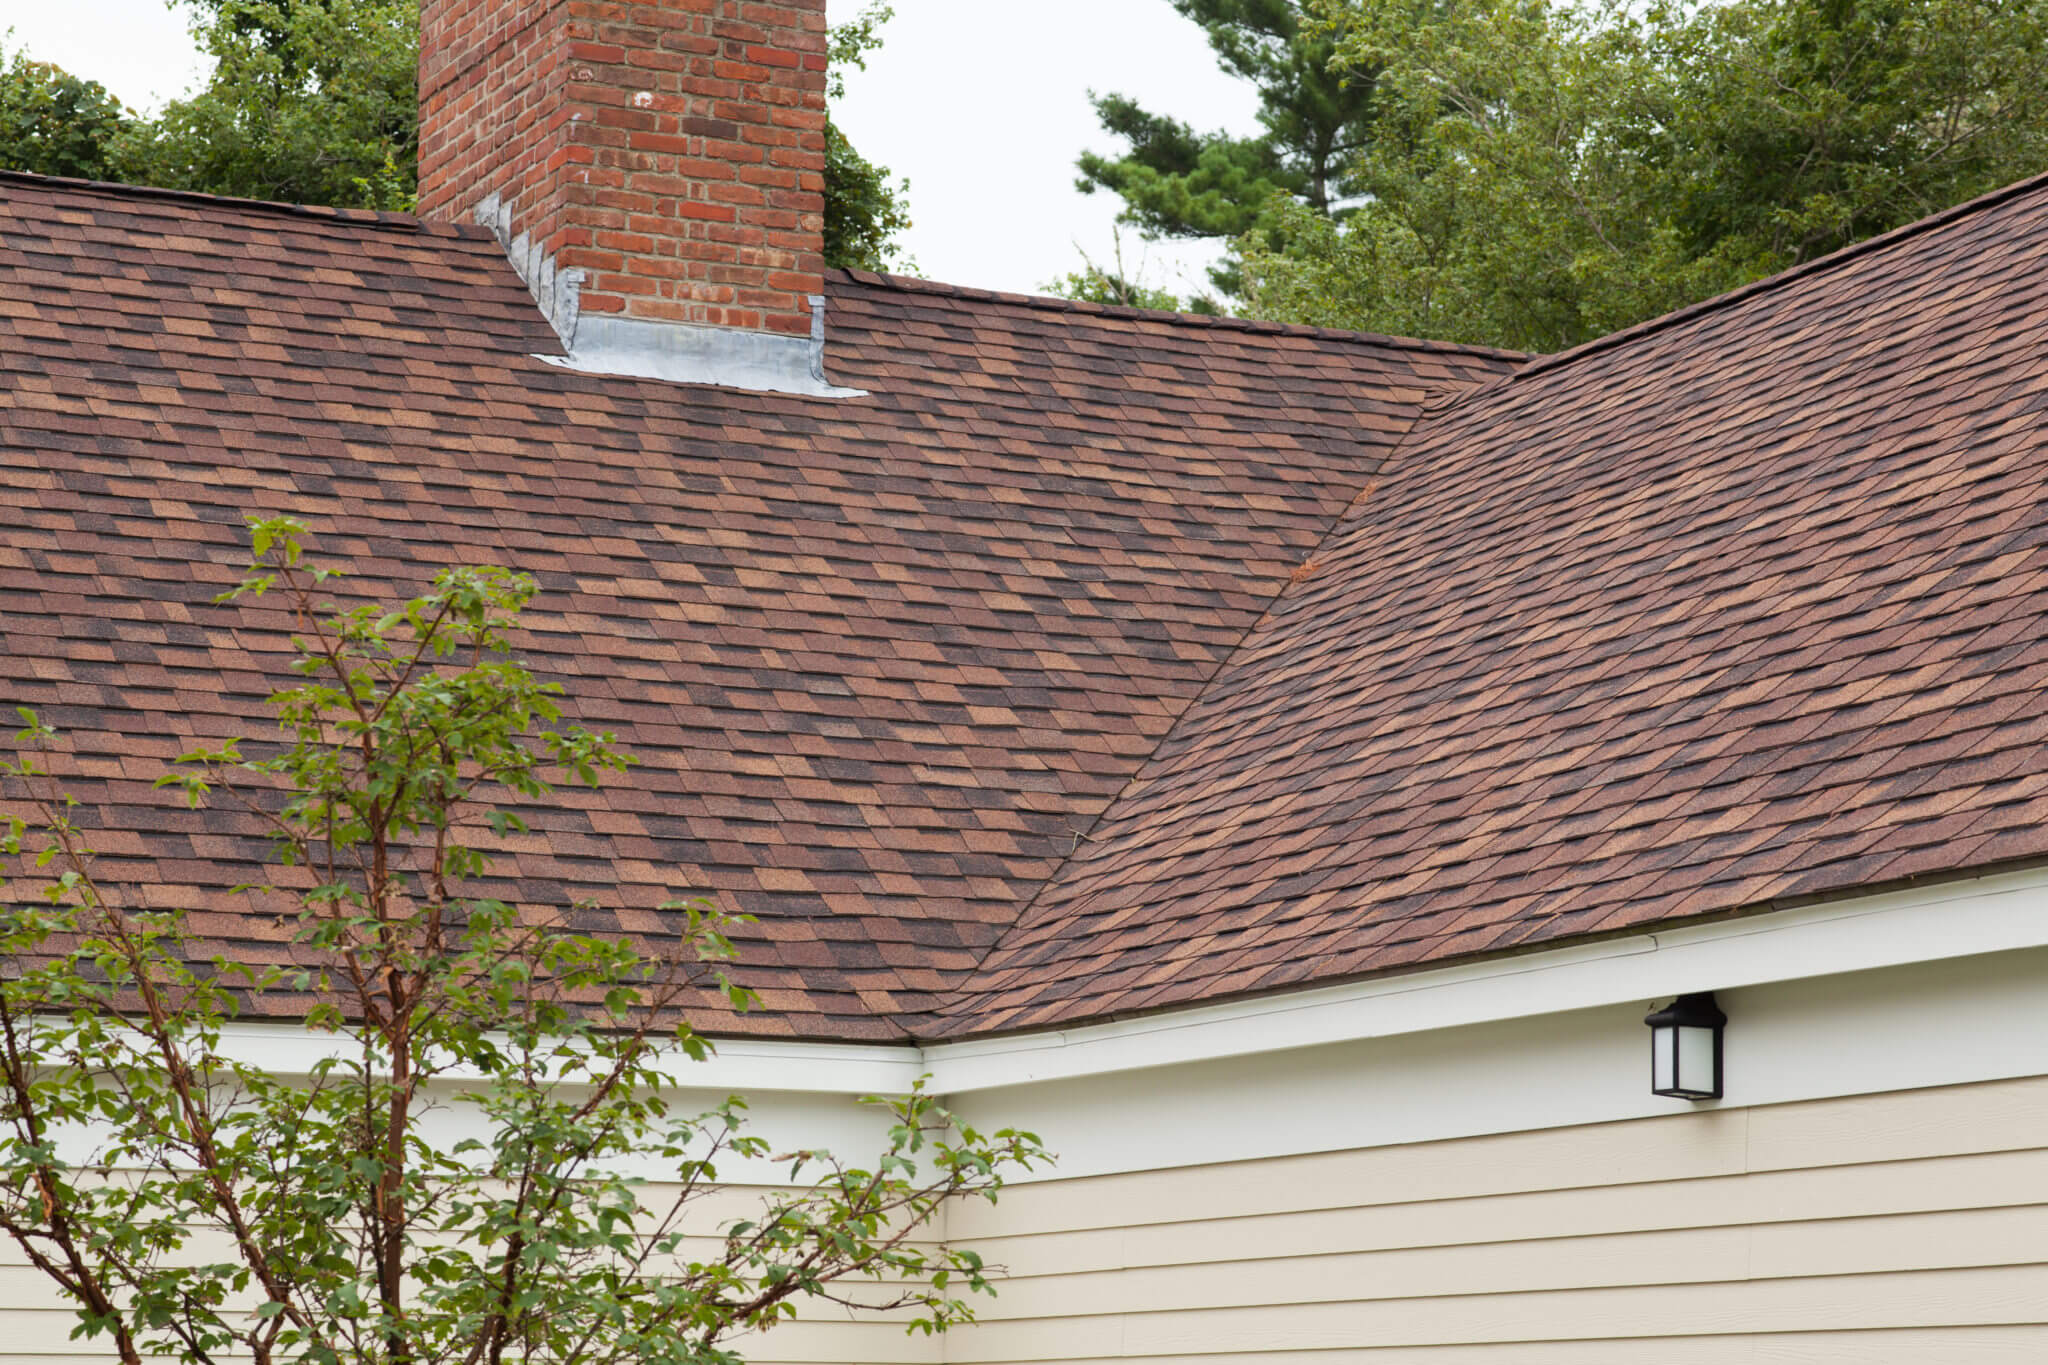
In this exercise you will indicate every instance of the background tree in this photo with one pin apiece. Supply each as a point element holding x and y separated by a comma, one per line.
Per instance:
<point>53,123</point>
<point>1546,173</point>
<point>865,212</point>
<point>1120,284</point>
<point>1811,124</point>
<point>197,1208</point>
<point>1315,122</point>
<point>310,102</point>
<point>317,102</point>
<point>1093,284</point>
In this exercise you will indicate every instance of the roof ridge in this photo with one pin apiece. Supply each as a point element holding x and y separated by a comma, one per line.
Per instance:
<point>378,218</point>
<point>911,284</point>
<point>413,223</point>
<point>1819,265</point>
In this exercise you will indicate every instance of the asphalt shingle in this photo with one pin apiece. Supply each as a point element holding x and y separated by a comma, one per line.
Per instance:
<point>1098,661</point>
<point>1747,605</point>
<point>885,660</point>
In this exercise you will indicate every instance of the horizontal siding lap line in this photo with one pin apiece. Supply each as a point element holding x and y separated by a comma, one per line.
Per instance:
<point>1938,1122</point>
<point>1979,1232</point>
<point>1962,1298</point>
<point>1998,1180</point>
<point>1133,1311</point>
<point>2001,1345</point>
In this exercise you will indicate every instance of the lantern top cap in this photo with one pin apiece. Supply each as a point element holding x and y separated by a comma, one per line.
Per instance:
<point>1688,1011</point>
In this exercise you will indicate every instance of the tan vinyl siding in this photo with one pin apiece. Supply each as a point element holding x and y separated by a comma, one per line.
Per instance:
<point>1903,1227</point>
<point>1898,1227</point>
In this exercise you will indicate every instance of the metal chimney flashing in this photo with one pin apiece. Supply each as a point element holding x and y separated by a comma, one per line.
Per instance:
<point>673,352</point>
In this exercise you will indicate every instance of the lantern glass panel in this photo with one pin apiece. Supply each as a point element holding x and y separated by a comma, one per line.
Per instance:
<point>1664,1059</point>
<point>1696,1060</point>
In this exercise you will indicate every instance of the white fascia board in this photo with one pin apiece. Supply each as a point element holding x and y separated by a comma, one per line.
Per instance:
<point>819,1068</point>
<point>737,1064</point>
<point>1924,924</point>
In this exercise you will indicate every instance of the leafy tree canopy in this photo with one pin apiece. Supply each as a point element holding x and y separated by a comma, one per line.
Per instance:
<point>317,102</point>
<point>484,1162</point>
<point>310,102</point>
<point>865,212</point>
<point>1547,173</point>
<point>1315,120</point>
<point>53,123</point>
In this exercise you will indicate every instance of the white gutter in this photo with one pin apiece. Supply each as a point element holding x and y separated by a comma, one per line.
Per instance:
<point>1925,924</point>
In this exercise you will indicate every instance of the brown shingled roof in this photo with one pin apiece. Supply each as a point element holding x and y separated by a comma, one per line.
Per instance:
<point>989,693</point>
<point>1749,604</point>
<point>886,660</point>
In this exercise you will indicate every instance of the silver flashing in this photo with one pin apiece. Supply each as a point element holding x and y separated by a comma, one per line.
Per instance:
<point>679,353</point>
<point>558,292</point>
<point>685,354</point>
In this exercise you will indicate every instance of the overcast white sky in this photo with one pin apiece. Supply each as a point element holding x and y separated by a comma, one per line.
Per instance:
<point>983,104</point>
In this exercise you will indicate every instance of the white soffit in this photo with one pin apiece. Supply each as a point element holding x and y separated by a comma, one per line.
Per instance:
<point>1927,924</point>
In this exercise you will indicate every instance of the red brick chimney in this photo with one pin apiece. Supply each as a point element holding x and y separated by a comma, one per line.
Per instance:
<point>655,169</point>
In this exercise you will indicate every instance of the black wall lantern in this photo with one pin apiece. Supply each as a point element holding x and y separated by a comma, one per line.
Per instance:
<point>1685,1048</point>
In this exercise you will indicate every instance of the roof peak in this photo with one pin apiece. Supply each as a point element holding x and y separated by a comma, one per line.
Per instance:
<point>1530,364</point>
<point>1052,303</point>
<point>413,224</point>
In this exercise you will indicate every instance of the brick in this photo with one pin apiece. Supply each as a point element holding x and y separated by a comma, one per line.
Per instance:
<point>541,105</point>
